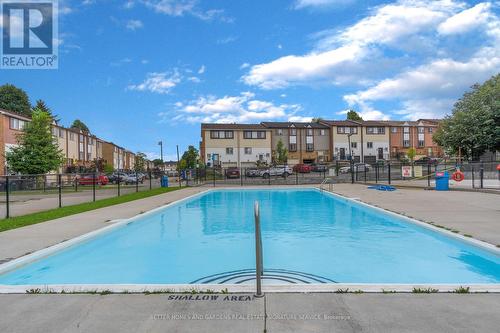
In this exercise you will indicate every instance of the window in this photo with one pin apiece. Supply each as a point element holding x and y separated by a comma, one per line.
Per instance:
<point>309,146</point>
<point>221,134</point>
<point>421,143</point>
<point>229,151</point>
<point>430,129</point>
<point>72,136</point>
<point>347,130</point>
<point>375,130</point>
<point>293,147</point>
<point>406,143</point>
<point>279,131</point>
<point>89,156</point>
<point>17,124</point>
<point>406,129</point>
<point>421,130</point>
<point>61,133</point>
<point>394,129</point>
<point>369,145</point>
<point>91,141</point>
<point>354,145</point>
<point>293,131</point>
<point>254,134</point>
<point>81,156</point>
<point>309,132</point>
<point>322,132</point>
<point>248,151</point>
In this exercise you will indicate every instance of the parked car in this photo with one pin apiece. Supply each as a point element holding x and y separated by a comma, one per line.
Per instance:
<point>252,172</point>
<point>98,179</point>
<point>232,173</point>
<point>130,179</point>
<point>302,168</point>
<point>113,178</point>
<point>359,167</point>
<point>427,160</point>
<point>319,168</point>
<point>283,171</point>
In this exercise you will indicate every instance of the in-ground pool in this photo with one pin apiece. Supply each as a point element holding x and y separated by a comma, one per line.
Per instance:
<point>308,237</point>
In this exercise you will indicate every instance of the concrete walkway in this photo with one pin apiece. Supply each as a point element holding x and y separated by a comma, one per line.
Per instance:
<point>244,313</point>
<point>18,242</point>
<point>471,213</point>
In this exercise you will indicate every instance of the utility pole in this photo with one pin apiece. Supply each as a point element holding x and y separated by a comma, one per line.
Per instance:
<point>161,155</point>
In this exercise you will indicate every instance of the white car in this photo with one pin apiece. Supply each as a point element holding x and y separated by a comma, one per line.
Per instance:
<point>359,167</point>
<point>283,171</point>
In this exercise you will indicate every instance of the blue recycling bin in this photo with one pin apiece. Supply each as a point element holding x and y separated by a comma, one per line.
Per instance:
<point>442,181</point>
<point>164,181</point>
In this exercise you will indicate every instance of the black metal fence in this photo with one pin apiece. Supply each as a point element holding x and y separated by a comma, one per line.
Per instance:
<point>477,175</point>
<point>25,194</point>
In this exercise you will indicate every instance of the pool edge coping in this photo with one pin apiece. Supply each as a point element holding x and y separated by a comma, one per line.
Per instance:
<point>235,288</point>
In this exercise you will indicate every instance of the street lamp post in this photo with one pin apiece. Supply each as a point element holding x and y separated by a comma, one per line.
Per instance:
<point>161,155</point>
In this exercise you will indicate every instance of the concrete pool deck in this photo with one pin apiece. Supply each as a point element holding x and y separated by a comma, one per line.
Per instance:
<point>244,313</point>
<point>474,213</point>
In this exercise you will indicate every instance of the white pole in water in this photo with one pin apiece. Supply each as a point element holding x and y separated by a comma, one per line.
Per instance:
<point>258,251</point>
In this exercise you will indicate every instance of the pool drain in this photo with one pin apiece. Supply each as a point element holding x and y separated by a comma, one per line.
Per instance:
<point>244,276</point>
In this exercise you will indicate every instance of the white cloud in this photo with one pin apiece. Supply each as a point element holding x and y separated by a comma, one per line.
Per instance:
<point>430,89</point>
<point>243,108</point>
<point>226,40</point>
<point>134,24</point>
<point>466,20</point>
<point>180,8</point>
<point>244,65</point>
<point>160,83</point>
<point>300,4</point>
<point>339,53</point>
<point>202,69</point>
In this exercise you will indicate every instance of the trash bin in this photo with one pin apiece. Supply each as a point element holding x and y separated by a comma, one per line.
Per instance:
<point>164,181</point>
<point>442,181</point>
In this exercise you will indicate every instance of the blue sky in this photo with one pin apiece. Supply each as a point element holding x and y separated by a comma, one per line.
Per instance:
<point>141,71</point>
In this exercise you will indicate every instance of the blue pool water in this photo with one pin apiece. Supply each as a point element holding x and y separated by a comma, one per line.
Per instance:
<point>308,236</point>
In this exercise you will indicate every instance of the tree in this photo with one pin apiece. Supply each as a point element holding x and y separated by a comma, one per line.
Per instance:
<point>191,157</point>
<point>353,115</point>
<point>411,153</point>
<point>281,153</point>
<point>37,151</point>
<point>140,162</point>
<point>108,168</point>
<point>41,105</point>
<point>14,99</point>
<point>474,125</point>
<point>316,119</point>
<point>157,162</point>
<point>78,124</point>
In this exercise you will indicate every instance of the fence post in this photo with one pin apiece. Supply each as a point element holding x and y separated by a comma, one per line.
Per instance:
<point>337,168</point>
<point>481,174</point>
<point>93,186</point>
<point>136,182</point>
<point>472,172</point>
<point>352,170</point>
<point>296,178</point>
<point>59,185</point>
<point>429,175</point>
<point>150,180</point>
<point>376,173</point>
<point>118,183</point>
<point>44,182</point>
<point>389,172</point>
<point>365,172</point>
<point>269,179</point>
<point>7,194</point>
<point>241,176</point>
<point>76,183</point>
<point>213,169</point>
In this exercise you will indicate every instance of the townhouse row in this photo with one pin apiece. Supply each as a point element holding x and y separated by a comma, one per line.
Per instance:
<point>81,150</point>
<point>244,145</point>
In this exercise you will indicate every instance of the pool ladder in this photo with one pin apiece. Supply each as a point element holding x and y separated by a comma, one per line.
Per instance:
<point>326,181</point>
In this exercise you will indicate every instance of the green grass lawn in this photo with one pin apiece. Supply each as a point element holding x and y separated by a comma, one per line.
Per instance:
<point>21,221</point>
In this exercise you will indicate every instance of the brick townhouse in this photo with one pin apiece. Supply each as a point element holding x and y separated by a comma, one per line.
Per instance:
<point>80,149</point>
<point>318,142</point>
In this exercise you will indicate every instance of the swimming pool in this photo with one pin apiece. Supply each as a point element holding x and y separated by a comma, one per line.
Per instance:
<point>308,237</point>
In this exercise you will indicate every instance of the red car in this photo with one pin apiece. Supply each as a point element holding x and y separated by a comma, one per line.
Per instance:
<point>232,173</point>
<point>89,180</point>
<point>302,168</point>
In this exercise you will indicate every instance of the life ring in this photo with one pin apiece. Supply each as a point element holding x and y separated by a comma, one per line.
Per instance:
<point>458,176</point>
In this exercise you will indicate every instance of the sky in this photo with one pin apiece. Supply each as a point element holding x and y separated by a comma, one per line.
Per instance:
<point>140,71</point>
